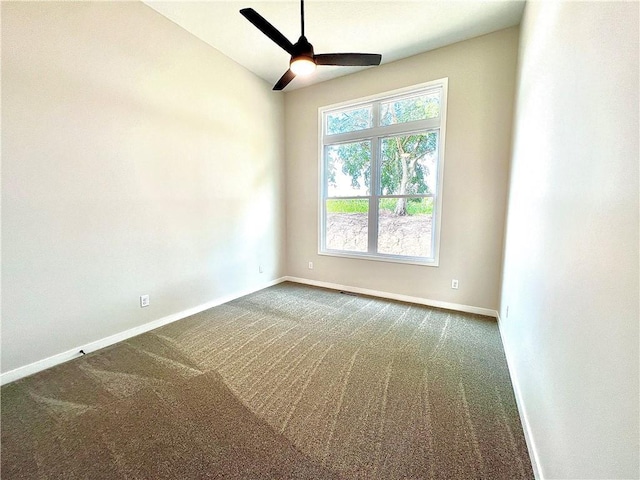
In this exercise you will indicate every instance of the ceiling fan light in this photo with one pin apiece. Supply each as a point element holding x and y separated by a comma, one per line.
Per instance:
<point>302,66</point>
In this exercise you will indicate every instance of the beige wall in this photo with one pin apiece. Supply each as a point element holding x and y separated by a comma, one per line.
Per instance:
<point>571,257</point>
<point>481,76</point>
<point>135,160</point>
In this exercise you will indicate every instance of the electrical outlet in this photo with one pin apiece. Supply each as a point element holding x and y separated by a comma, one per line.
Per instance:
<point>507,311</point>
<point>144,301</point>
<point>260,270</point>
<point>310,265</point>
<point>454,284</point>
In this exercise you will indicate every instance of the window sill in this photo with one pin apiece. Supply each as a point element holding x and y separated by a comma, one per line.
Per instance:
<point>423,262</point>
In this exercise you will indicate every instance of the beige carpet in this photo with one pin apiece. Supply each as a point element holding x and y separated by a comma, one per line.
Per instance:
<point>289,382</point>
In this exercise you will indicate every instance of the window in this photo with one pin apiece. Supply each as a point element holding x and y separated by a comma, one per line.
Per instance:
<point>381,165</point>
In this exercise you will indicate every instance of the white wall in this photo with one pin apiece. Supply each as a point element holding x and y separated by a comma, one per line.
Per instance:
<point>481,74</point>
<point>135,159</point>
<point>571,257</point>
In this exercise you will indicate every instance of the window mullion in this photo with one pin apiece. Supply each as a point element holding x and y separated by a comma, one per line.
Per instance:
<point>323,196</point>
<point>372,241</point>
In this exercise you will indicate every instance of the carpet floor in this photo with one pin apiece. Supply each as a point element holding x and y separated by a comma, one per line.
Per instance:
<point>289,382</point>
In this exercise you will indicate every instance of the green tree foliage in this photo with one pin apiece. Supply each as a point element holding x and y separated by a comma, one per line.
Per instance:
<point>403,169</point>
<point>349,121</point>
<point>355,162</point>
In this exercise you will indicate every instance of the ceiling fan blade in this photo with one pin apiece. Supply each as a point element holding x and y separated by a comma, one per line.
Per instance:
<point>284,80</point>
<point>269,30</point>
<point>348,59</point>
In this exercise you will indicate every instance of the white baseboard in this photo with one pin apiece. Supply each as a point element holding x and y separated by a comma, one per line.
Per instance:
<point>62,357</point>
<point>526,427</point>
<point>396,296</point>
<point>35,367</point>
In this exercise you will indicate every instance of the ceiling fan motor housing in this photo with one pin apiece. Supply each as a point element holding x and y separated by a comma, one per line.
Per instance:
<point>302,48</point>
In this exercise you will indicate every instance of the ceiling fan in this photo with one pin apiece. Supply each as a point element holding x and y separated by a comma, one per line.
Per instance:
<point>303,59</point>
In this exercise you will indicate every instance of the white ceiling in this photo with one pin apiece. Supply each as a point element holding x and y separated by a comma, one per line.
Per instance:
<point>396,29</point>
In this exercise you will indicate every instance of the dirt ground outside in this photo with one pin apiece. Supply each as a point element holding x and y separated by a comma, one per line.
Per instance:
<point>397,235</point>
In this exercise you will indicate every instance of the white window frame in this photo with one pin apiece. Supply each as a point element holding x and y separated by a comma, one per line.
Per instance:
<point>375,134</point>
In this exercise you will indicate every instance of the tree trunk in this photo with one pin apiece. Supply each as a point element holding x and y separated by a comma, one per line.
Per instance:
<point>401,207</point>
<point>401,203</point>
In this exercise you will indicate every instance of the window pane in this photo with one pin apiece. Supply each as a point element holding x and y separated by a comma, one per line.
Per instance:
<point>409,164</point>
<point>348,169</point>
<point>349,120</point>
<point>347,224</point>
<point>404,226</point>
<point>410,109</point>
